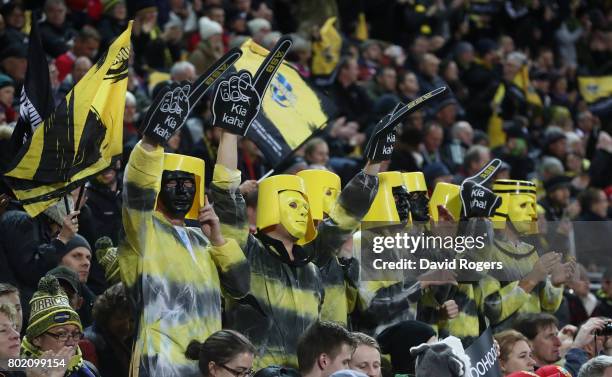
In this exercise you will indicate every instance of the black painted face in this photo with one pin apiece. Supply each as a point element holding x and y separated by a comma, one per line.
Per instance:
<point>401,203</point>
<point>419,205</point>
<point>177,192</point>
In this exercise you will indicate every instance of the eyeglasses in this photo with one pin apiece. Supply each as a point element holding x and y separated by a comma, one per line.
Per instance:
<point>63,337</point>
<point>246,373</point>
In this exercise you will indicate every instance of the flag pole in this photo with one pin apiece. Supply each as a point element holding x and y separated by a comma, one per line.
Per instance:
<point>66,204</point>
<point>78,202</point>
<point>269,173</point>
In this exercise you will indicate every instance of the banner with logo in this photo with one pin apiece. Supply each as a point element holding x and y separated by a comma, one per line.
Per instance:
<point>292,109</point>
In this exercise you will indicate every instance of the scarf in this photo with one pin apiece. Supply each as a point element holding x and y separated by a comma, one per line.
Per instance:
<point>76,365</point>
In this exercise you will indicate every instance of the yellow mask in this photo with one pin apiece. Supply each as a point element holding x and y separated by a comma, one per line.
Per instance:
<point>293,213</point>
<point>518,205</point>
<point>523,213</point>
<point>323,188</point>
<point>447,195</point>
<point>329,199</point>
<point>269,205</point>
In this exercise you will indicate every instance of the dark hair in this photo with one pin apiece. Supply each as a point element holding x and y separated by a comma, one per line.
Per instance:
<point>587,198</point>
<point>381,70</point>
<point>88,32</point>
<point>6,289</point>
<point>7,9</point>
<point>530,324</point>
<point>221,347</point>
<point>113,300</point>
<point>344,61</point>
<point>321,337</point>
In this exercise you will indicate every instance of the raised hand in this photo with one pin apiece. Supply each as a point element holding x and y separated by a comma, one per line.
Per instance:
<point>210,225</point>
<point>476,199</point>
<point>380,145</point>
<point>173,104</point>
<point>563,272</point>
<point>70,227</point>
<point>238,98</point>
<point>450,309</point>
<point>545,265</point>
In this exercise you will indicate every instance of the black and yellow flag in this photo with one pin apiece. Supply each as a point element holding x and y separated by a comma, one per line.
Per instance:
<point>80,138</point>
<point>326,50</point>
<point>597,92</point>
<point>292,109</point>
<point>595,88</point>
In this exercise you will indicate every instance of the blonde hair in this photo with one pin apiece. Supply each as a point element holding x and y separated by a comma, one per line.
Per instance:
<point>9,311</point>
<point>364,339</point>
<point>507,339</point>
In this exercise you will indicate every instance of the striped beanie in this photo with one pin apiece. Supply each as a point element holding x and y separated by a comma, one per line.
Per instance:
<point>107,257</point>
<point>50,308</point>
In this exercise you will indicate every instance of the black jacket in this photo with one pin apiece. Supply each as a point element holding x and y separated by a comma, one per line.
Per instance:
<point>30,251</point>
<point>105,209</point>
<point>113,356</point>
<point>55,40</point>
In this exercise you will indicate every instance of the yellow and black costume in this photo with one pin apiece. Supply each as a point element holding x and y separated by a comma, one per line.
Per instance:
<point>483,301</point>
<point>518,210</point>
<point>174,275</point>
<point>340,275</point>
<point>385,301</point>
<point>286,295</point>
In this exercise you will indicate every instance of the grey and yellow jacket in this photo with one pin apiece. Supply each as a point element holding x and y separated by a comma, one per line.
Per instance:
<point>494,298</point>
<point>340,281</point>
<point>286,295</point>
<point>341,275</point>
<point>386,299</point>
<point>482,302</point>
<point>175,277</point>
<point>518,260</point>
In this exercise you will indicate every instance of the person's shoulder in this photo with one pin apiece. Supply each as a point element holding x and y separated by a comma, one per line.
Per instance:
<point>16,218</point>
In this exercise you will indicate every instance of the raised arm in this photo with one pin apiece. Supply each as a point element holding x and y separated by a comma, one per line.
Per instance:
<point>228,202</point>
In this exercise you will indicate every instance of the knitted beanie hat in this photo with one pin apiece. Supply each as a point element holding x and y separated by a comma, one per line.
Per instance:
<point>107,257</point>
<point>438,359</point>
<point>50,308</point>
<point>77,241</point>
<point>57,212</point>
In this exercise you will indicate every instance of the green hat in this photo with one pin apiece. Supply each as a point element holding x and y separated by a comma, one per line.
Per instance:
<point>66,274</point>
<point>107,257</point>
<point>108,5</point>
<point>49,308</point>
<point>6,81</point>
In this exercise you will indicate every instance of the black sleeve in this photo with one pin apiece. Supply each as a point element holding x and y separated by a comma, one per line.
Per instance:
<point>27,255</point>
<point>600,173</point>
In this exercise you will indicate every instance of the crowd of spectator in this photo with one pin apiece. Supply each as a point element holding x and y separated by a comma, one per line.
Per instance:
<point>514,69</point>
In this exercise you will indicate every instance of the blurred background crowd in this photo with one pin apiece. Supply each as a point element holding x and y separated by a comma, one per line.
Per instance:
<point>531,83</point>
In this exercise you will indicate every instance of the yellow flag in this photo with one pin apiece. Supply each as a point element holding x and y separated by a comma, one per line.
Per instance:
<point>522,81</point>
<point>593,88</point>
<point>326,51</point>
<point>362,27</point>
<point>80,138</point>
<point>291,109</point>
